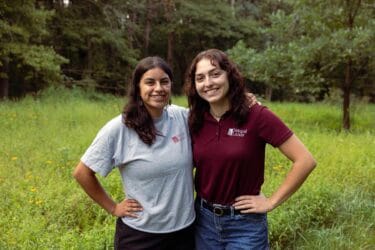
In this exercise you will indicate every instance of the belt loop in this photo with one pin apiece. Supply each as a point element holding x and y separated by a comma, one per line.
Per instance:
<point>231,211</point>
<point>201,201</point>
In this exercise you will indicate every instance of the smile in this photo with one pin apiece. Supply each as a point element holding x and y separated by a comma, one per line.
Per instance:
<point>211,91</point>
<point>158,97</point>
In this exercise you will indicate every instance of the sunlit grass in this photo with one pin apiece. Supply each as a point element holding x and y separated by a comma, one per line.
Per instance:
<point>42,139</point>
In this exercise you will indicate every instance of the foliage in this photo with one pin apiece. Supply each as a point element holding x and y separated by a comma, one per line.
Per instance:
<point>94,36</point>
<point>309,47</point>
<point>44,208</point>
<point>291,50</point>
<point>317,46</point>
<point>24,47</point>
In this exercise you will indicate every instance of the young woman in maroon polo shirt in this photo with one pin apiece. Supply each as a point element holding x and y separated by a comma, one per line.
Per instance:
<point>229,138</point>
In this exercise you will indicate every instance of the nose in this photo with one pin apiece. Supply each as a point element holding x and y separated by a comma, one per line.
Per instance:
<point>207,81</point>
<point>158,86</point>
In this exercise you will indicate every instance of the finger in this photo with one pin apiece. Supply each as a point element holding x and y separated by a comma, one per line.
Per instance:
<point>248,211</point>
<point>243,197</point>
<point>243,202</point>
<point>131,201</point>
<point>131,215</point>
<point>244,206</point>
<point>134,203</point>
<point>134,209</point>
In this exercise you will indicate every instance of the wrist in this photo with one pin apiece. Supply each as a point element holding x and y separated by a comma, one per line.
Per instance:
<point>112,210</point>
<point>272,204</point>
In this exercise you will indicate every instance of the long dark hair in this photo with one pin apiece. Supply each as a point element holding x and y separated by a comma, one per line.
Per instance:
<point>239,105</point>
<point>135,114</point>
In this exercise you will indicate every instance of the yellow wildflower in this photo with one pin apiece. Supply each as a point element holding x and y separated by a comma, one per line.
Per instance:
<point>38,202</point>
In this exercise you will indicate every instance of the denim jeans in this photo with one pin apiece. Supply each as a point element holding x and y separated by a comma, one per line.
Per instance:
<point>230,232</point>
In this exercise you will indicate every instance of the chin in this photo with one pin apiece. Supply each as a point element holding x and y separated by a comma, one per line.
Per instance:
<point>213,99</point>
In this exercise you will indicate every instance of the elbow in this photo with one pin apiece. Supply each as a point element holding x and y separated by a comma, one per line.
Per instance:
<point>80,171</point>
<point>311,163</point>
<point>76,174</point>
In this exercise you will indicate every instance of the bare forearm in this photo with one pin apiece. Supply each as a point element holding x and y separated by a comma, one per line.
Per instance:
<point>294,179</point>
<point>90,184</point>
<point>303,164</point>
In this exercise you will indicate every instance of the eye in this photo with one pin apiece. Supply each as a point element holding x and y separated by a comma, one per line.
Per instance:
<point>216,74</point>
<point>149,83</point>
<point>165,81</point>
<point>199,78</point>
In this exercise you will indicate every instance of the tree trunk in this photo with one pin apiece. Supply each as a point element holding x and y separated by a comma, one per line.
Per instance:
<point>4,80</point>
<point>169,8</point>
<point>353,8</point>
<point>87,73</point>
<point>232,5</point>
<point>170,49</point>
<point>149,11</point>
<point>268,93</point>
<point>346,95</point>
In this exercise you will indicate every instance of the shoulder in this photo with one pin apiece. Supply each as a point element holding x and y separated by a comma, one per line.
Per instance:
<point>115,122</point>
<point>112,127</point>
<point>260,111</point>
<point>175,110</point>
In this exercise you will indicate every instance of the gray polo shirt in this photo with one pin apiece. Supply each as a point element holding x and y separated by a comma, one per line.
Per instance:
<point>159,176</point>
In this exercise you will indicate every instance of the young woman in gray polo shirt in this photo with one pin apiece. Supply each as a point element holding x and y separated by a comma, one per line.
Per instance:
<point>149,143</point>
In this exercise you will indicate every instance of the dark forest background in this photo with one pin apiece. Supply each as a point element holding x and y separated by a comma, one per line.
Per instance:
<point>300,50</point>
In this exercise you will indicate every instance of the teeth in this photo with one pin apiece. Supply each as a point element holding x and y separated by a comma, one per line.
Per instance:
<point>211,91</point>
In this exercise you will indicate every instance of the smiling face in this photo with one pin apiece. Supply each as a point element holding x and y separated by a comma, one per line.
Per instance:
<point>155,90</point>
<point>211,82</point>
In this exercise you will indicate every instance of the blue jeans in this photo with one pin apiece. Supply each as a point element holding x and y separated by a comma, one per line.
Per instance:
<point>234,231</point>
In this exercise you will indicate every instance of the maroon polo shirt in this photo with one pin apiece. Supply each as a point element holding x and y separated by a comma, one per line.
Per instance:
<point>229,159</point>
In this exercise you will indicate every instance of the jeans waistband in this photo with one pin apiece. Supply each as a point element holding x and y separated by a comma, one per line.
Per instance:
<point>217,209</point>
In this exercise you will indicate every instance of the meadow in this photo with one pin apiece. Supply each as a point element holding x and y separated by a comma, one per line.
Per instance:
<point>42,207</point>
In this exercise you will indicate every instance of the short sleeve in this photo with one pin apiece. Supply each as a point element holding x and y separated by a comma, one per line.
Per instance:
<point>179,109</point>
<point>99,156</point>
<point>272,129</point>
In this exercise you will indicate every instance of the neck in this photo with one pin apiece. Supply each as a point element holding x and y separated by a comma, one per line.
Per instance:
<point>217,111</point>
<point>155,113</point>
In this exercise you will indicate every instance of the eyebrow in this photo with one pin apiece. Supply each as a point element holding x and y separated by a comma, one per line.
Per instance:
<point>153,79</point>
<point>210,71</point>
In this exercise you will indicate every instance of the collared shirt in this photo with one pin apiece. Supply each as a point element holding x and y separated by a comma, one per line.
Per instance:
<point>229,159</point>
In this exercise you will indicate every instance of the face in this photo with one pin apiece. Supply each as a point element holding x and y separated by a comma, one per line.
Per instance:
<point>211,82</point>
<point>155,90</point>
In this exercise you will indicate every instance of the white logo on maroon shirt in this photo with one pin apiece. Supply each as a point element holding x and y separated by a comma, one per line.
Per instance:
<point>237,132</point>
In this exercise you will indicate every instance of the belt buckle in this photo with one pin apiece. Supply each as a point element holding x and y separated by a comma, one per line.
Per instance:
<point>218,211</point>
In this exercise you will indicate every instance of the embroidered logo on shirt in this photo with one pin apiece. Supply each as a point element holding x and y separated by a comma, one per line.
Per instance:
<point>176,138</point>
<point>237,132</point>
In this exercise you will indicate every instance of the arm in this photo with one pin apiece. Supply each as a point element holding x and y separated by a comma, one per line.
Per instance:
<point>303,164</point>
<point>90,184</point>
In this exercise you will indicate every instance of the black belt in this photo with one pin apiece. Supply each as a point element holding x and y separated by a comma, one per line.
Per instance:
<point>217,209</point>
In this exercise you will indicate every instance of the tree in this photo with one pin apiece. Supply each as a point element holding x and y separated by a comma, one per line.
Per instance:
<point>27,60</point>
<point>326,44</point>
<point>97,38</point>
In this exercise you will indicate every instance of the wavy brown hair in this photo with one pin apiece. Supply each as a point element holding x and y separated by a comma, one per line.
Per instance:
<point>135,114</point>
<point>239,104</point>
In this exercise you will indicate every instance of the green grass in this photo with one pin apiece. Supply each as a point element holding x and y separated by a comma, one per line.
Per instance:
<point>42,139</point>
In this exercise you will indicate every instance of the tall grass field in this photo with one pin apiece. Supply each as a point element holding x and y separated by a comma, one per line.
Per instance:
<point>42,207</point>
